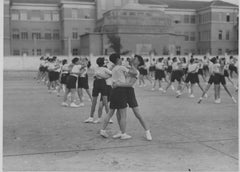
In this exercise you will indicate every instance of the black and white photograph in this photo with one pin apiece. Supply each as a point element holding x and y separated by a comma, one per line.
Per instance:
<point>120,85</point>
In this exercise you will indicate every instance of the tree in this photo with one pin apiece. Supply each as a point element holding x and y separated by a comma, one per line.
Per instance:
<point>115,44</point>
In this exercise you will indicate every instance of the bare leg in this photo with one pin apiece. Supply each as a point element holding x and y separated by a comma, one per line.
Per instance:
<point>66,95</point>
<point>94,103</point>
<point>89,94</point>
<point>107,118</point>
<point>105,104</point>
<point>123,121</point>
<point>100,109</point>
<point>204,92</point>
<point>139,117</point>
<point>80,94</point>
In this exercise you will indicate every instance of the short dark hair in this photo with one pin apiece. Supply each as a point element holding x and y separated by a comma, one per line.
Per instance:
<point>75,60</point>
<point>213,60</point>
<point>100,61</point>
<point>114,58</point>
<point>191,60</point>
<point>140,59</point>
<point>64,62</point>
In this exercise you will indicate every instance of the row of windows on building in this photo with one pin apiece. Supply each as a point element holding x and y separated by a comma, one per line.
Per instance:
<point>205,35</point>
<point>24,35</point>
<point>35,15</point>
<point>204,18</point>
<point>38,52</point>
<point>83,13</point>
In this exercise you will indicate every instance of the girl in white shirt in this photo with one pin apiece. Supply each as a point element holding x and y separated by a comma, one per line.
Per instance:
<point>71,84</point>
<point>159,74</point>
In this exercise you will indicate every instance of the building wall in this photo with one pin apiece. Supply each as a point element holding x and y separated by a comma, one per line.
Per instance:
<point>7,27</point>
<point>78,18</point>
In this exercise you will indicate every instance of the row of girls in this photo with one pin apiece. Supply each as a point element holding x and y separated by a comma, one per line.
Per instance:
<point>61,75</point>
<point>187,73</point>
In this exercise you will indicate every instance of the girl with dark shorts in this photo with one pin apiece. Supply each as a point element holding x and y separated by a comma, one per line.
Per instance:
<point>71,82</point>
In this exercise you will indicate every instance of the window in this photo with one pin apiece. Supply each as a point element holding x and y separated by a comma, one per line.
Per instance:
<point>39,52</point>
<point>186,18</point>
<point>24,35</point>
<point>16,52</point>
<point>15,34</point>
<point>15,15</point>
<point>220,34</point>
<point>75,35</point>
<point>228,17</point>
<point>55,16</point>
<point>23,15</point>
<point>36,35</point>
<point>219,51</point>
<point>48,36</point>
<point>33,52</point>
<point>74,51</point>
<point>227,35</point>
<point>193,19</point>
<point>47,16</point>
<point>192,36</point>
<point>74,13</point>
<point>178,50</point>
<point>56,35</point>
<point>186,36</point>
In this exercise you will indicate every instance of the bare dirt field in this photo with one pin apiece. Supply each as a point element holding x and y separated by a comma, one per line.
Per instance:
<point>40,135</point>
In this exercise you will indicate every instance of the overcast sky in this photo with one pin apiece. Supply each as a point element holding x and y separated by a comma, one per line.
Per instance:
<point>231,1</point>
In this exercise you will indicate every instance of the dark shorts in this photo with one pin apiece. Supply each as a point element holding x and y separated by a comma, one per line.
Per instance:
<point>83,82</point>
<point>152,68</point>
<point>232,68</point>
<point>99,86</point>
<point>223,80</point>
<point>51,76</point>
<point>143,71</point>
<point>176,75</point>
<point>159,74</point>
<point>56,76</point>
<point>217,79</point>
<point>192,78</point>
<point>226,74</point>
<point>71,82</point>
<point>185,70</point>
<point>41,69</point>
<point>200,72</point>
<point>169,69</point>
<point>211,79</point>
<point>118,98</point>
<point>109,90</point>
<point>64,78</point>
<point>205,68</point>
<point>131,98</point>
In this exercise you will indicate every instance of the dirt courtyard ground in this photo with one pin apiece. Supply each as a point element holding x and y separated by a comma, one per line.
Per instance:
<point>40,135</point>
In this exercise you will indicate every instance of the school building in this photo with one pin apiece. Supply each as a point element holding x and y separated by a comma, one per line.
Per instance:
<point>93,27</point>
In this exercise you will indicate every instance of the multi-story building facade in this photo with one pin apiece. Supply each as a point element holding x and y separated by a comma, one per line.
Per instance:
<point>63,27</point>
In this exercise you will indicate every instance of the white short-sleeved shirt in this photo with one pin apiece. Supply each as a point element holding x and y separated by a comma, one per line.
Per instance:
<point>159,66</point>
<point>51,66</point>
<point>129,78</point>
<point>84,72</point>
<point>118,74</point>
<point>175,66</point>
<point>103,71</point>
<point>192,67</point>
<point>65,68</point>
<point>76,69</point>
<point>216,68</point>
